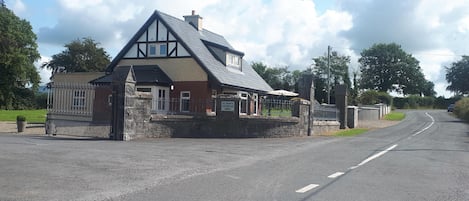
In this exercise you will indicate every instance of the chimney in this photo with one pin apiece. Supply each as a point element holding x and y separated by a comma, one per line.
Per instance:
<point>195,20</point>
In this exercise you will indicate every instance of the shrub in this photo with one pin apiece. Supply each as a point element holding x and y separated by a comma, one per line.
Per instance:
<point>369,97</point>
<point>20,118</point>
<point>385,98</point>
<point>415,102</point>
<point>461,109</point>
<point>374,97</point>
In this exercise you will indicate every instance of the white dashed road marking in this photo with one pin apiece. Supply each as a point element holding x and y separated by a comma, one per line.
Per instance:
<point>307,188</point>
<point>337,174</point>
<point>374,156</point>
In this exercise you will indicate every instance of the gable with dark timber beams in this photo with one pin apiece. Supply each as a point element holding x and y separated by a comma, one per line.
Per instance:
<point>152,41</point>
<point>156,41</point>
<point>184,41</point>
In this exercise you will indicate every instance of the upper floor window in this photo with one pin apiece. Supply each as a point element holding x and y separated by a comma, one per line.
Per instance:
<point>157,49</point>
<point>233,60</point>
<point>163,49</point>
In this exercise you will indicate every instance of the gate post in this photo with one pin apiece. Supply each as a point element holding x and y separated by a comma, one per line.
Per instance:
<point>123,102</point>
<point>341,93</point>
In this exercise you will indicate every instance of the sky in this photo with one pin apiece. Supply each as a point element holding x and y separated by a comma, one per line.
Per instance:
<point>276,32</point>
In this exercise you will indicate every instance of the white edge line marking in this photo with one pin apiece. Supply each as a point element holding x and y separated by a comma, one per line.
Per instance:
<point>374,156</point>
<point>424,129</point>
<point>307,188</point>
<point>337,174</point>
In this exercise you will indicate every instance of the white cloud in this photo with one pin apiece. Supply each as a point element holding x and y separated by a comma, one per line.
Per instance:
<point>432,62</point>
<point>441,89</point>
<point>277,32</point>
<point>281,32</point>
<point>463,26</point>
<point>44,73</point>
<point>79,5</point>
<point>19,7</point>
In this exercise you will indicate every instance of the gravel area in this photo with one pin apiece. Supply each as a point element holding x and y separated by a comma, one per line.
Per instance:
<point>10,127</point>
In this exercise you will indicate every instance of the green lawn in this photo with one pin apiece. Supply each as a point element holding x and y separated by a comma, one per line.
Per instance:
<point>351,132</point>
<point>394,116</point>
<point>32,116</point>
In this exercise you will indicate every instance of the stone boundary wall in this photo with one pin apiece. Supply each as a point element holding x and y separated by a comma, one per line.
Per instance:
<point>325,127</point>
<point>77,128</point>
<point>210,127</point>
<point>368,114</point>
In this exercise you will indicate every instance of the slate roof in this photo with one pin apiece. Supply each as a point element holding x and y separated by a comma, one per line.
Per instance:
<point>143,75</point>
<point>193,41</point>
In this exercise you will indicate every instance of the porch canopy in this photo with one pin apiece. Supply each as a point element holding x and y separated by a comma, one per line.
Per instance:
<point>143,75</point>
<point>281,92</point>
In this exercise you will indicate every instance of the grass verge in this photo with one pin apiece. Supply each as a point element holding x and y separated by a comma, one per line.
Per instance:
<point>394,116</point>
<point>351,132</point>
<point>32,116</point>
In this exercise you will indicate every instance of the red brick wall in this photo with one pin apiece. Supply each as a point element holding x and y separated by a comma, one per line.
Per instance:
<point>101,110</point>
<point>200,95</point>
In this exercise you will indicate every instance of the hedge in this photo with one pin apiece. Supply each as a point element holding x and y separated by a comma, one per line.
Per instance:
<point>461,109</point>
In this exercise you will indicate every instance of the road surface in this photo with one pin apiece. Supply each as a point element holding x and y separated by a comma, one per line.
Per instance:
<point>425,157</point>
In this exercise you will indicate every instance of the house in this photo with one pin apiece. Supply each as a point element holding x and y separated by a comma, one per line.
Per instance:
<point>181,64</point>
<point>185,67</point>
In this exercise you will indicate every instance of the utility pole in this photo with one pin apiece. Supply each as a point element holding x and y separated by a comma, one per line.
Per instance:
<point>329,74</point>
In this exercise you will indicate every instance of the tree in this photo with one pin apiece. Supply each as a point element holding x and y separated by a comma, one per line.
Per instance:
<point>18,52</point>
<point>457,75</point>
<point>338,73</point>
<point>429,89</point>
<point>277,77</point>
<point>338,68</point>
<point>386,67</point>
<point>79,56</point>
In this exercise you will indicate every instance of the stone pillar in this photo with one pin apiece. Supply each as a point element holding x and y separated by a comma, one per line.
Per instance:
<point>352,116</point>
<point>227,107</point>
<point>123,103</point>
<point>341,94</point>
<point>304,85</point>
<point>301,109</point>
<point>312,101</point>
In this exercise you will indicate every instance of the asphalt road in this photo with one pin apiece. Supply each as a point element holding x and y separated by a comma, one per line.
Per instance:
<point>425,157</point>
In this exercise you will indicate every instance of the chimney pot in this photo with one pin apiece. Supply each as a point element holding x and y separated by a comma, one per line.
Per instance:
<point>195,20</point>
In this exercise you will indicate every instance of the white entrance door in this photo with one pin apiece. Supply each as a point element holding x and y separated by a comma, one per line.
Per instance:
<point>161,97</point>
<point>160,101</point>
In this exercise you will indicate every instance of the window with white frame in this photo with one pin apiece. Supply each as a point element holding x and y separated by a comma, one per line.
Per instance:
<point>243,103</point>
<point>233,60</point>
<point>214,100</point>
<point>185,101</point>
<point>157,49</point>
<point>163,49</point>
<point>78,100</point>
<point>255,98</point>
<point>152,50</point>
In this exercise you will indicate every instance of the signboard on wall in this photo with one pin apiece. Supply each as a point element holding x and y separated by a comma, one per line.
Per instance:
<point>227,106</point>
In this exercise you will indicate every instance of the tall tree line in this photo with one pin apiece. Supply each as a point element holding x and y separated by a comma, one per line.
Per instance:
<point>383,67</point>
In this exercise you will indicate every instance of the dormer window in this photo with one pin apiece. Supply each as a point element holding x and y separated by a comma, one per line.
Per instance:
<point>233,60</point>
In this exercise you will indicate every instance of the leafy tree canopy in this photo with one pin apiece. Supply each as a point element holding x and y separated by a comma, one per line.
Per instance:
<point>80,56</point>
<point>457,75</point>
<point>339,71</point>
<point>386,67</point>
<point>18,52</point>
<point>277,77</point>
